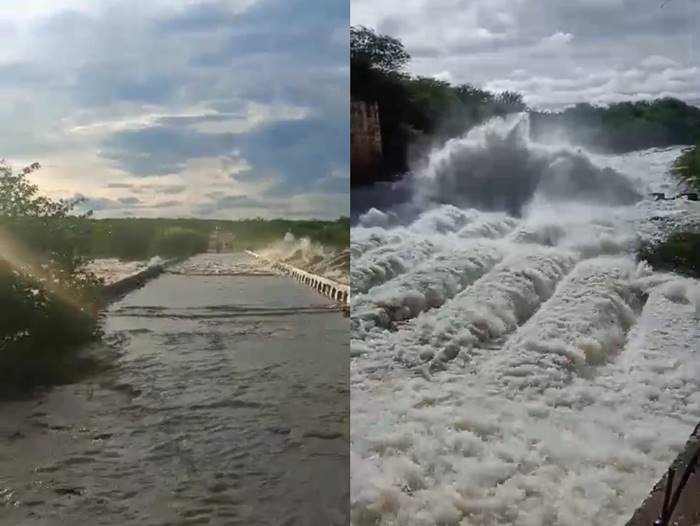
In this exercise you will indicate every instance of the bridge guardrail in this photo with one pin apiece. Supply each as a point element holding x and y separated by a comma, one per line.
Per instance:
<point>328,287</point>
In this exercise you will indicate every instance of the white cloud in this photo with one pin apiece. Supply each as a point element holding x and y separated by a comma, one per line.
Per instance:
<point>23,11</point>
<point>201,118</point>
<point>555,52</point>
<point>559,38</point>
<point>444,76</point>
<point>658,61</point>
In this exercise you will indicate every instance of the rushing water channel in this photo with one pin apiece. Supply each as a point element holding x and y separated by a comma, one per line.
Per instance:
<point>228,405</point>
<point>512,363</point>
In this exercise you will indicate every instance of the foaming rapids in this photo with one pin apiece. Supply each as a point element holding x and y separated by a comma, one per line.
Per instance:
<point>497,167</point>
<point>512,363</point>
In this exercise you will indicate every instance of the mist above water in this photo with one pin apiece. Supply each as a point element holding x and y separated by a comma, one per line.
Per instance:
<point>496,166</point>
<point>310,256</point>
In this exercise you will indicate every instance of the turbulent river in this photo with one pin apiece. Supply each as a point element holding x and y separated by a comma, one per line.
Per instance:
<point>228,405</point>
<point>511,362</point>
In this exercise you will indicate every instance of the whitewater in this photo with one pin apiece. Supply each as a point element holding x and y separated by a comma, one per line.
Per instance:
<point>512,363</point>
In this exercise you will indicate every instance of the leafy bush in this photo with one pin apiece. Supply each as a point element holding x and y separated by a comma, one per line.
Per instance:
<point>48,301</point>
<point>687,167</point>
<point>679,253</point>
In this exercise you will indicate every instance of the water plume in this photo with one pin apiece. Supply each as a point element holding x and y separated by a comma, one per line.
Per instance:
<point>497,167</point>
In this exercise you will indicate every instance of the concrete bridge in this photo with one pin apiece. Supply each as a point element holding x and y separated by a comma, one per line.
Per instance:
<point>327,287</point>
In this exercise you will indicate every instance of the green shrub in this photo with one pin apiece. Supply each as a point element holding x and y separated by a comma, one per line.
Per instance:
<point>48,301</point>
<point>687,167</point>
<point>679,253</point>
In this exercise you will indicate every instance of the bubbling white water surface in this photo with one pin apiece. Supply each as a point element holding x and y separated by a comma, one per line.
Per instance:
<point>519,368</point>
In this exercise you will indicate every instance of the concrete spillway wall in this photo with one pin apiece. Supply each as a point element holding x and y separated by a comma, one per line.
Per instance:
<point>683,479</point>
<point>114,291</point>
<point>327,287</point>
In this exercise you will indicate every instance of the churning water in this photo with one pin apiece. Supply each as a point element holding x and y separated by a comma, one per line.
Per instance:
<point>511,362</point>
<point>228,405</point>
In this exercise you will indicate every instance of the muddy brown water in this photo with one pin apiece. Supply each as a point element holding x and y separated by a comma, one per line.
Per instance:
<point>228,404</point>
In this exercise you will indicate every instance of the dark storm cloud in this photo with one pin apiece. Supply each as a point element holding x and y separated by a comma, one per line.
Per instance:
<point>290,142</point>
<point>103,204</point>
<point>162,150</point>
<point>129,201</point>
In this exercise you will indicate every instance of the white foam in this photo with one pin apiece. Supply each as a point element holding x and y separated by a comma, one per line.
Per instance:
<point>496,304</point>
<point>385,262</point>
<point>428,285</point>
<point>568,395</point>
<point>583,324</point>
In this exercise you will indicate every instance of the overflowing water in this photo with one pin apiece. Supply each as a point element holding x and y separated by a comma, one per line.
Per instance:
<point>312,257</point>
<point>228,405</point>
<point>512,363</point>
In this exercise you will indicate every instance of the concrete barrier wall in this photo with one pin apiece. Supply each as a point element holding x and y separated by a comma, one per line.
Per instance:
<point>118,289</point>
<point>334,290</point>
<point>687,510</point>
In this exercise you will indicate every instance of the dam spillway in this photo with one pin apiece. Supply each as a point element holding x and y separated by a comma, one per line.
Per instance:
<point>328,287</point>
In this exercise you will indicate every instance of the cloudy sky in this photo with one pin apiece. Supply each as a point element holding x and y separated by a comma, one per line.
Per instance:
<point>206,108</point>
<point>555,52</point>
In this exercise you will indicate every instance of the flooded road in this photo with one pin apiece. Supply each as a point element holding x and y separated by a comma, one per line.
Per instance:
<point>228,405</point>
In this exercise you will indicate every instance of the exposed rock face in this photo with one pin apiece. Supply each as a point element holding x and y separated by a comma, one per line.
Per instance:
<point>365,142</point>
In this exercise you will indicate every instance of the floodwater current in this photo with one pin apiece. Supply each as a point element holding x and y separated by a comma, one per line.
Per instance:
<point>512,362</point>
<point>228,404</point>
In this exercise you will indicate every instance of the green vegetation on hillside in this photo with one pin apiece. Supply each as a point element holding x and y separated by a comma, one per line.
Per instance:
<point>48,302</point>
<point>416,110</point>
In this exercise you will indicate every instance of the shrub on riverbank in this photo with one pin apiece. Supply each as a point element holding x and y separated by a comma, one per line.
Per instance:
<point>687,167</point>
<point>679,253</point>
<point>47,300</point>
